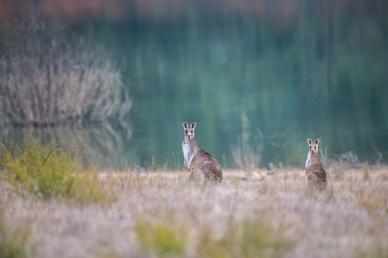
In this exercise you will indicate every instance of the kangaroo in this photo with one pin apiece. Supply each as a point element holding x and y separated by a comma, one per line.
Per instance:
<point>314,173</point>
<point>196,160</point>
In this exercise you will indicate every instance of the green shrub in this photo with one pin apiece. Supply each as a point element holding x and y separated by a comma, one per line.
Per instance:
<point>245,240</point>
<point>12,242</point>
<point>161,240</point>
<point>47,171</point>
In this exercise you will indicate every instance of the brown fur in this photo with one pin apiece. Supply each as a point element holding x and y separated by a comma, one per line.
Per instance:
<point>199,162</point>
<point>206,164</point>
<point>315,174</point>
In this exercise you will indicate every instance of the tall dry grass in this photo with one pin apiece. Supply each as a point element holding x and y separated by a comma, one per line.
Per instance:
<point>165,215</point>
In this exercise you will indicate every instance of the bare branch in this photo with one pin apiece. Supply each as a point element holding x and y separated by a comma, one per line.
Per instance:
<point>47,78</point>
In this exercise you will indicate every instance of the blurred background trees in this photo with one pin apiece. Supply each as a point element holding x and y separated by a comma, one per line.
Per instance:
<point>292,68</point>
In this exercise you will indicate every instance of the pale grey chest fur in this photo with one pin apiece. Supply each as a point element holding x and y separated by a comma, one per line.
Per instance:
<point>188,153</point>
<point>308,161</point>
<point>312,159</point>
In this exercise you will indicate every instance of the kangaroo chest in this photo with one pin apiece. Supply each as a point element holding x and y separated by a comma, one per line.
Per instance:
<point>188,152</point>
<point>312,160</point>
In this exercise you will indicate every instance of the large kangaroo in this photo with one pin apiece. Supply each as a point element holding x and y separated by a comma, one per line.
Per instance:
<point>314,172</point>
<point>198,161</point>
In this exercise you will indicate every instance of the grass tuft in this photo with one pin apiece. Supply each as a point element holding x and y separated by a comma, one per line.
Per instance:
<point>161,240</point>
<point>245,240</point>
<point>108,254</point>
<point>12,242</point>
<point>377,253</point>
<point>49,172</point>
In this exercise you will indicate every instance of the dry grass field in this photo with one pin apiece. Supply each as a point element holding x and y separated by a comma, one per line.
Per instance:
<point>162,214</point>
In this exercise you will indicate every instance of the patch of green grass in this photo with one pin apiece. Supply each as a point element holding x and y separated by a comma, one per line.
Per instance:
<point>373,199</point>
<point>47,171</point>
<point>108,254</point>
<point>377,253</point>
<point>246,240</point>
<point>161,240</point>
<point>209,247</point>
<point>13,242</point>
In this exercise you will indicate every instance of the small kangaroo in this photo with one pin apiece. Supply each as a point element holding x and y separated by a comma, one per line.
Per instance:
<point>314,172</point>
<point>196,160</point>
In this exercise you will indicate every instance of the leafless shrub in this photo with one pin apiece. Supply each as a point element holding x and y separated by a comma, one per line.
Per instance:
<point>246,155</point>
<point>349,159</point>
<point>379,155</point>
<point>50,77</point>
<point>341,163</point>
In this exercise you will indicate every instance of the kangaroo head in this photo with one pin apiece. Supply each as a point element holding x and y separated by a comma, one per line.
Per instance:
<point>313,144</point>
<point>188,129</point>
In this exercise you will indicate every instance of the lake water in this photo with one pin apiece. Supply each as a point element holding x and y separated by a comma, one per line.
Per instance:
<point>260,81</point>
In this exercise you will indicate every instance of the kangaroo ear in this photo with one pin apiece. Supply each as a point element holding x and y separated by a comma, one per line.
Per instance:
<point>184,125</point>
<point>193,124</point>
<point>309,141</point>
<point>317,141</point>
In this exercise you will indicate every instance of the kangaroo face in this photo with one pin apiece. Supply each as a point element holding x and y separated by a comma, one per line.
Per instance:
<point>188,129</point>
<point>313,144</point>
